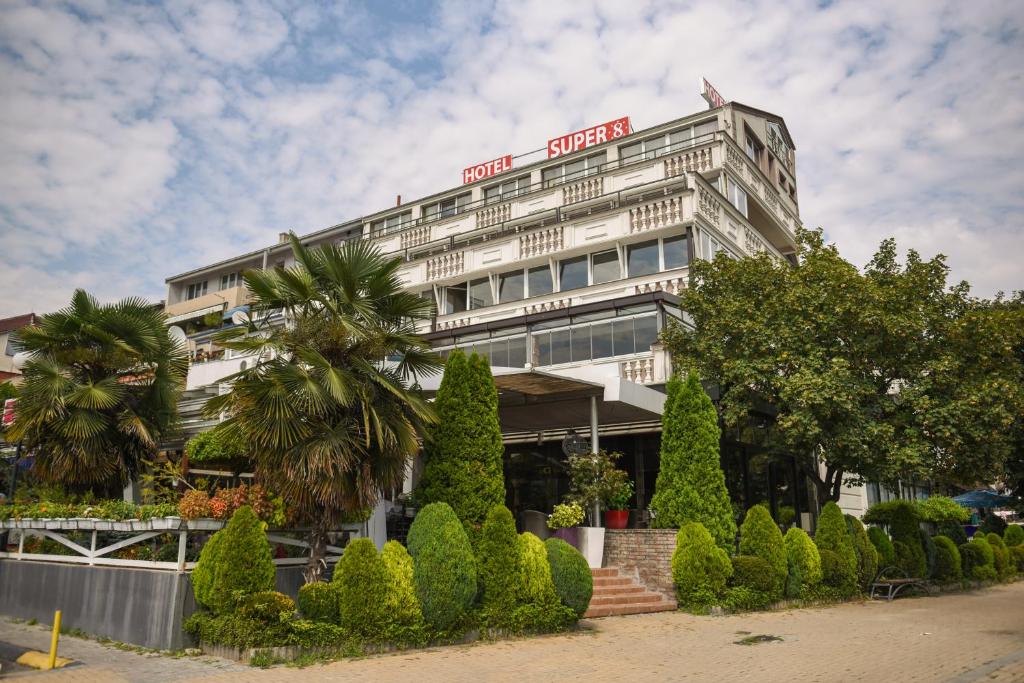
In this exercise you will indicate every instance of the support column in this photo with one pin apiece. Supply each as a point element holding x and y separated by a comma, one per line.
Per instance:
<point>594,448</point>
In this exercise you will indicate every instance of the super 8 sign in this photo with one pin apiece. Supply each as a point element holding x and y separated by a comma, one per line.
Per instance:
<point>581,139</point>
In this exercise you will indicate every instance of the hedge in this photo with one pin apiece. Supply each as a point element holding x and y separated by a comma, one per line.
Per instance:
<point>904,528</point>
<point>444,568</point>
<point>574,583</point>
<point>359,578</point>
<point>928,545</point>
<point>400,595</point>
<point>982,559</point>
<point>541,609</point>
<point>318,601</point>
<point>500,563</point>
<point>833,536</point>
<point>760,537</point>
<point>700,568</point>
<point>948,565</point>
<point>864,549</point>
<point>753,572</point>
<point>238,564</point>
<point>1001,556</point>
<point>1014,535</point>
<point>835,572</point>
<point>993,524</point>
<point>1017,555</point>
<point>267,607</point>
<point>803,562</point>
<point>886,553</point>
<point>954,532</point>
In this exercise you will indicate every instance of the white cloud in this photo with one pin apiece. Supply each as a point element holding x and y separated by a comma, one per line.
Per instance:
<point>139,141</point>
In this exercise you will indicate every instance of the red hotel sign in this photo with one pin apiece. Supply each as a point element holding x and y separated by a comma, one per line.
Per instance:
<point>486,169</point>
<point>581,139</point>
<point>713,97</point>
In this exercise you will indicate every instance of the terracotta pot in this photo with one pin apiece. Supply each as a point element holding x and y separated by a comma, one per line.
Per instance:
<point>570,535</point>
<point>616,519</point>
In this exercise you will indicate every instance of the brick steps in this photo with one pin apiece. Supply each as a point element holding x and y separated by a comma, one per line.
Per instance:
<point>615,594</point>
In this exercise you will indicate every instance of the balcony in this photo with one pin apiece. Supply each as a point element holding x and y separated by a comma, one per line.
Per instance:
<point>224,299</point>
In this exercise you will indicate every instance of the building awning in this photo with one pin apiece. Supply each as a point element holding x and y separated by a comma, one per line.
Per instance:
<point>198,313</point>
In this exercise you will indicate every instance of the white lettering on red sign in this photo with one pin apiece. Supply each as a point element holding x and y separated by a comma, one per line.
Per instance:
<point>486,169</point>
<point>581,139</point>
<point>711,95</point>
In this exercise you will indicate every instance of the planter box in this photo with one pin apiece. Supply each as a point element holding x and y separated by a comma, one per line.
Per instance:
<point>121,526</point>
<point>103,525</point>
<point>168,523</point>
<point>139,525</point>
<point>570,535</point>
<point>591,544</point>
<point>205,524</point>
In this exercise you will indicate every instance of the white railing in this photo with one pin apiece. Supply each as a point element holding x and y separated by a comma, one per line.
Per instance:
<point>588,188</point>
<point>638,370</point>
<point>656,215</point>
<point>415,237</point>
<point>493,215</point>
<point>690,161</point>
<point>446,265</point>
<point>540,242</point>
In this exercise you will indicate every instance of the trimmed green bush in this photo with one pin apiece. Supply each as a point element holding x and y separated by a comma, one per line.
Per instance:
<point>542,610</point>
<point>267,607</point>
<point>359,578</point>
<point>571,575</point>
<point>867,556</point>
<point>500,563</point>
<point>832,535</point>
<point>443,566</point>
<point>400,596</point>
<point>954,532</point>
<point>691,485</point>
<point>985,570</point>
<point>1001,556</point>
<point>239,564</point>
<point>463,451</point>
<point>318,601</point>
<point>803,562</point>
<point>905,527</point>
<point>753,572</point>
<point>948,565</point>
<point>700,568</point>
<point>744,599</point>
<point>970,559</point>
<point>886,553</point>
<point>1014,535</point>
<point>1017,555</point>
<point>993,524</point>
<point>760,536</point>
<point>835,572</point>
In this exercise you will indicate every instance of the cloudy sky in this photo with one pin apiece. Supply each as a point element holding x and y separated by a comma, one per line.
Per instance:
<point>140,140</point>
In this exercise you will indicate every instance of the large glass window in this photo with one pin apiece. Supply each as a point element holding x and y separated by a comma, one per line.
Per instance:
<point>443,208</point>
<point>560,347</point>
<point>645,333</point>
<point>737,196</point>
<point>195,290</point>
<point>507,189</point>
<point>602,343</point>
<point>695,134</point>
<point>572,274</point>
<point>622,338</point>
<point>230,280</point>
<point>455,298</point>
<point>540,281</point>
<point>510,286</point>
<point>553,175</point>
<point>642,259</point>
<point>606,266</point>
<point>580,343</point>
<point>587,341</point>
<point>480,293</point>
<point>392,223</point>
<point>677,252</point>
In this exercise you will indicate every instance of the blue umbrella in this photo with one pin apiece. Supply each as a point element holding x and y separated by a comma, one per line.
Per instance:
<point>983,498</point>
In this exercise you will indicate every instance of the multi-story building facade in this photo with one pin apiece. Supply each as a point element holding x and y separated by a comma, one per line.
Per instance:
<point>9,370</point>
<point>563,271</point>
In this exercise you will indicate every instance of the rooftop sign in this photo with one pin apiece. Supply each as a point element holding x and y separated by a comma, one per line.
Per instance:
<point>581,139</point>
<point>713,97</point>
<point>486,169</point>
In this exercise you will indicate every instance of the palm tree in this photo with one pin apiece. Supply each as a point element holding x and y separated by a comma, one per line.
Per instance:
<point>329,411</point>
<point>100,390</point>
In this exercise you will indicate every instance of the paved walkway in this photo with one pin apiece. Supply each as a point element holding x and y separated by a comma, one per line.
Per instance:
<point>961,638</point>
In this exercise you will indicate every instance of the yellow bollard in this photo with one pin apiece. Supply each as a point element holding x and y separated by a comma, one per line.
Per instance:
<point>53,640</point>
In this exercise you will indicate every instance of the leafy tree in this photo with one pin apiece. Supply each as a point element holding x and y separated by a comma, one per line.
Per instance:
<point>329,423</point>
<point>462,455</point>
<point>99,391</point>
<point>880,374</point>
<point>222,444</point>
<point>691,485</point>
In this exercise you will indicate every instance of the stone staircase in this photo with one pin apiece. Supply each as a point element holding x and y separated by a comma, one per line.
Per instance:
<point>616,594</point>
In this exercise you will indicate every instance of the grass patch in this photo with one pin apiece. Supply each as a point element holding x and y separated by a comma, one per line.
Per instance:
<point>754,640</point>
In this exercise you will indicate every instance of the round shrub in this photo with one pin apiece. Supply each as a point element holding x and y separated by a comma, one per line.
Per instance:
<point>542,610</point>
<point>1014,535</point>
<point>970,559</point>
<point>444,568</point>
<point>867,556</point>
<point>835,572</point>
<point>993,524</point>
<point>202,575</point>
<point>832,535</point>
<point>269,607</point>
<point>753,572</point>
<point>361,582</point>
<point>985,570</point>
<point>928,545</point>
<point>571,575</point>
<point>700,568</point>
<point>947,560</point>
<point>1017,555</point>
<point>886,553</point>
<point>760,537</point>
<point>500,563</point>
<point>905,529</point>
<point>803,562</point>
<point>1000,556</point>
<point>954,532</point>
<point>240,563</point>
<point>400,598</point>
<point>318,601</point>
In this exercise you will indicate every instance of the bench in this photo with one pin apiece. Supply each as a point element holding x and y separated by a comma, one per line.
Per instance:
<point>886,585</point>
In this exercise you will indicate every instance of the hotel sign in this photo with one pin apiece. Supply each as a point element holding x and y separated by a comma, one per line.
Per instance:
<point>486,169</point>
<point>713,97</point>
<point>581,139</point>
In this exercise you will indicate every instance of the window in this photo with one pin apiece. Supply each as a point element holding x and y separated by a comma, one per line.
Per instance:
<point>643,149</point>
<point>455,298</point>
<point>606,266</point>
<point>642,259</point>
<point>753,148</point>
<point>677,252</point>
<point>737,196</point>
<point>11,348</point>
<point>506,190</point>
<point>693,135</point>
<point>574,169</point>
<point>448,206</point>
<point>195,290</point>
<point>589,341</point>
<point>510,286</point>
<point>230,280</point>
<point>391,223</point>
<point>480,293</point>
<point>572,273</point>
<point>539,281</point>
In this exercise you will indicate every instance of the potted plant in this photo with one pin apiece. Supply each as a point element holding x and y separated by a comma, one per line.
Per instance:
<point>592,479</point>
<point>617,516</point>
<point>565,520</point>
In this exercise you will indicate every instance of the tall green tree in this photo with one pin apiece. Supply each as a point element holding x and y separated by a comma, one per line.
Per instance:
<point>691,485</point>
<point>462,455</point>
<point>880,374</point>
<point>329,412</point>
<point>99,390</point>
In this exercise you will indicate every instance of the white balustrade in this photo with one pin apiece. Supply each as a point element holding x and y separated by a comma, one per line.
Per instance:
<point>585,189</point>
<point>493,215</point>
<point>638,371</point>
<point>540,242</point>
<point>690,161</point>
<point>544,306</point>
<point>708,206</point>
<point>446,265</point>
<point>415,237</point>
<point>656,215</point>
<point>673,285</point>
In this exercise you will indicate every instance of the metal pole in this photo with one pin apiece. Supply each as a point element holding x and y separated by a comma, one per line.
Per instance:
<point>13,484</point>
<point>594,447</point>
<point>53,640</point>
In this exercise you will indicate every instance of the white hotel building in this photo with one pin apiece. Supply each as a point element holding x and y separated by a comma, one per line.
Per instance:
<point>563,270</point>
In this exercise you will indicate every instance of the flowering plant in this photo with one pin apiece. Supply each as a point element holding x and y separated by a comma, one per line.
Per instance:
<point>565,515</point>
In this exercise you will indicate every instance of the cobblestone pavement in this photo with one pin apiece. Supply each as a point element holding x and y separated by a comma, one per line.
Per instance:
<point>961,638</point>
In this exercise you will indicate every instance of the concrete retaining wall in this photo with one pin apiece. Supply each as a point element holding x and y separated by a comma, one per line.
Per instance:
<point>644,553</point>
